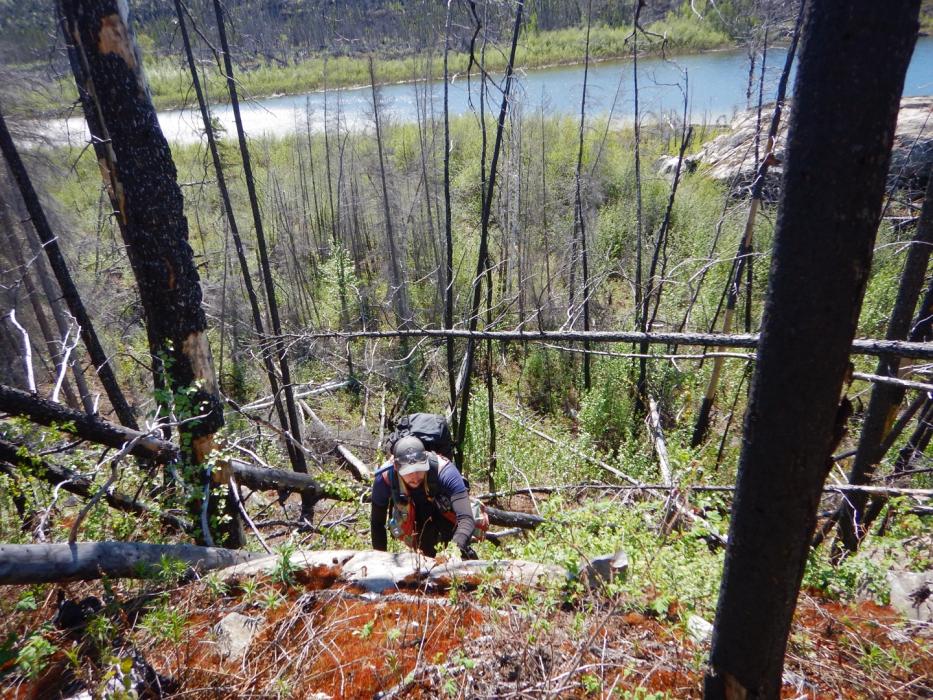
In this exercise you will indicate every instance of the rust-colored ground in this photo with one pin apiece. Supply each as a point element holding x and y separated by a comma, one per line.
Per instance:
<point>324,637</point>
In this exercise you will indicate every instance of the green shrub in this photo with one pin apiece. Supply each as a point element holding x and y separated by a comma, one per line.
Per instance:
<point>547,381</point>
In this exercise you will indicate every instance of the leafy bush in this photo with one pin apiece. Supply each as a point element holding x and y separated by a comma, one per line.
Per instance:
<point>606,410</point>
<point>547,381</point>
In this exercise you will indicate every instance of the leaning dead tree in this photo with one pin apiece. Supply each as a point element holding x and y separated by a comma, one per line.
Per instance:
<point>151,446</point>
<point>65,282</point>
<point>140,176</point>
<point>853,59</point>
<point>885,399</point>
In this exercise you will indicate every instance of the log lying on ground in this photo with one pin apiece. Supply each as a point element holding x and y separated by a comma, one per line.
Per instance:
<point>267,479</point>
<point>92,428</point>
<point>357,466</point>
<point>86,561</point>
<point>75,483</point>
<point>95,429</point>
<point>508,518</point>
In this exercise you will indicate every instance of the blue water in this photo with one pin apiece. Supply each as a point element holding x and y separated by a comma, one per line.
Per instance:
<point>714,84</point>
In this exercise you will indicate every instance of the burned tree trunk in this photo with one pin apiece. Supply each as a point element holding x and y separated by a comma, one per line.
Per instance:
<point>854,53</point>
<point>137,168</point>
<point>87,561</point>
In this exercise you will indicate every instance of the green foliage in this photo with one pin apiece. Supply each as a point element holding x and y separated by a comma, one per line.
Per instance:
<point>285,569</point>
<point>164,622</point>
<point>33,656</point>
<point>606,410</point>
<point>662,570</point>
<point>547,381</point>
<point>854,576</point>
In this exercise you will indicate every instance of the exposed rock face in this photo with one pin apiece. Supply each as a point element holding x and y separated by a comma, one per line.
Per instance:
<point>731,156</point>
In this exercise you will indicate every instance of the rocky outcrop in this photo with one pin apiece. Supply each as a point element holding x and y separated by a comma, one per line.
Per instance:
<point>731,156</point>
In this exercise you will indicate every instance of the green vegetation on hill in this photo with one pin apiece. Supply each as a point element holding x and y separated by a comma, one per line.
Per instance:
<point>170,80</point>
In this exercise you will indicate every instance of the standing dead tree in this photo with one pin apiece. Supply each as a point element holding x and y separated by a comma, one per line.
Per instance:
<point>137,167</point>
<point>55,345</point>
<point>854,53</point>
<point>579,221</point>
<point>482,264</point>
<point>299,463</point>
<point>745,246</point>
<point>885,399</point>
<point>291,450</point>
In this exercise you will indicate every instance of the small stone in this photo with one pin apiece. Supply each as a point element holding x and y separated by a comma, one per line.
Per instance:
<point>606,569</point>
<point>700,630</point>
<point>234,634</point>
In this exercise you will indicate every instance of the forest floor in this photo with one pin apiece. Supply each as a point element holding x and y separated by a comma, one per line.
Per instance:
<point>317,637</point>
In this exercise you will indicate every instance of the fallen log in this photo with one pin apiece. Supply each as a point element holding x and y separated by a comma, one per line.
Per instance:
<point>86,561</point>
<point>95,429</point>
<point>88,427</point>
<point>269,479</point>
<point>79,485</point>
<point>509,518</point>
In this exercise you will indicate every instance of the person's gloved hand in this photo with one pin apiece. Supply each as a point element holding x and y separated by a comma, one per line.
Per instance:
<point>467,552</point>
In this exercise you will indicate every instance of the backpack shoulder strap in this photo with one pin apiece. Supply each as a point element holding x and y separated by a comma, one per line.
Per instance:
<point>432,483</point>
<point>390,477</point>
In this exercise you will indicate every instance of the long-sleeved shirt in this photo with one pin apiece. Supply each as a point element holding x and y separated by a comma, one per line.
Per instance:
<point>450,487</point>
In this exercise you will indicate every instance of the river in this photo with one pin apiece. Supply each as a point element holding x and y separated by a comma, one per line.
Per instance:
<point>714,83</point>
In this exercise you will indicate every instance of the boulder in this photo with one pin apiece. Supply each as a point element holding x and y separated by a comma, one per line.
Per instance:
<point>912,594</point>
<point>608,568</point>
<point>699,630</point>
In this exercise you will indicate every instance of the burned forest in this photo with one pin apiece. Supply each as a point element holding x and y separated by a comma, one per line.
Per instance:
<point>466,349</point>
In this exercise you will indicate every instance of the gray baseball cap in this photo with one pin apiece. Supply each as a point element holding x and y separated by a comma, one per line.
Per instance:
<point>410,456</point>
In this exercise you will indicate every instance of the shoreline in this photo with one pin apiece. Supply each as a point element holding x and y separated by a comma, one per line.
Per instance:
<point>178,105</point>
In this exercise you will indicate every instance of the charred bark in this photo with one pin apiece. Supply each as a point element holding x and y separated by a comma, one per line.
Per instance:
<point>885,399</point>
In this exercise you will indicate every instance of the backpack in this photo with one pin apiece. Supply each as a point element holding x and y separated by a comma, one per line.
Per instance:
<point>402,519</point>
<point>431,428</point>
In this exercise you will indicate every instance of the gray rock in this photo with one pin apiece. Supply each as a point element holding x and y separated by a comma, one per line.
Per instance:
<point>700,630</point>
<point>234,633</point>
<point>608,568</point>
<point>912,594</point>
<point>731,156</point>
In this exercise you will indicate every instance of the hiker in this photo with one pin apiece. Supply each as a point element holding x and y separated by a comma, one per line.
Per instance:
<point>425,500</point>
